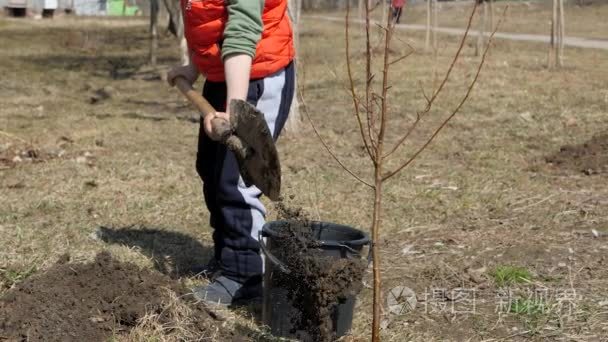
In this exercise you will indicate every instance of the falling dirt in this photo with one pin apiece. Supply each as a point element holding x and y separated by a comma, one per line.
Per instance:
<point>317,283</point>
<point>85,302</point>
<point>590,158</point>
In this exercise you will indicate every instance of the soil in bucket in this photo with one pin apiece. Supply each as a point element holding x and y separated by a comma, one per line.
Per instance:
<point>316,282</point>
<point>97,301</point>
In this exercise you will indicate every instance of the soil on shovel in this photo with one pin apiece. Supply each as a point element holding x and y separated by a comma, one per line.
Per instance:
<point>316,283</point>
<point>589,158</point>
<point>85,301</point>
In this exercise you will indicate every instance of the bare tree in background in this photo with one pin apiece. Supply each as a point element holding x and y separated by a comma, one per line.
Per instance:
<point>366,6</point>
<point>427,39</point>
<point>431,25</point>
<point>154,9</point>
<point>384,8</point>
<point>372,115</point>
<point>176,26</point>
<point>361,7</point>
<point>294,10</point>
<point>562,24</point>
<point>482,26</point>
<point>556,42</point>
<point>435,24</point>
<point>491,9</point>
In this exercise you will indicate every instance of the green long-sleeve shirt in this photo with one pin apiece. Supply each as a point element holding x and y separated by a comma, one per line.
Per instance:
<point>244,27</point>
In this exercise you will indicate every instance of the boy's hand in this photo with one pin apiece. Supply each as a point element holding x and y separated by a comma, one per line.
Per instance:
<point>189,72</point>
<point>209,127</point>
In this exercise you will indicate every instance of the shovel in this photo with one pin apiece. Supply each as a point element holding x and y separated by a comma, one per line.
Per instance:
<point>247,135</point>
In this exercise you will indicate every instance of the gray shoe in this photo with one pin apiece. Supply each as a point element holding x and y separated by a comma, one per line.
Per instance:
<point>224,292</point>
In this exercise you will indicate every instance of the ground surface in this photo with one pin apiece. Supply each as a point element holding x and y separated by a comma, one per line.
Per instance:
<point>499,228</point>
<point>96,301</point>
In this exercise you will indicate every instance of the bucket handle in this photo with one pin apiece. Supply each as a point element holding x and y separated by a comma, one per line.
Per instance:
<point>271,256</point>
<point>286,269</point>
<point>337,244</point>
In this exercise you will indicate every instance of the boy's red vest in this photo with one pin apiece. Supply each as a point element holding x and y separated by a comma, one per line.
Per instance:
<point>204,22</point>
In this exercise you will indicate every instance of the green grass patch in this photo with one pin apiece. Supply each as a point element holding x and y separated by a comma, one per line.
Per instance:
<point>532,313</point>
<point>530,307</point>
<point>508,275</point>
<point>10,277</point>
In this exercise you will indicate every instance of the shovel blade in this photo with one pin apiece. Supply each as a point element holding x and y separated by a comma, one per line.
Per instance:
<point>259,162</point>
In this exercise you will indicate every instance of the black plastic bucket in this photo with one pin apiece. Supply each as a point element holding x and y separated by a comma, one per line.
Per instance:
<point>337,241</point>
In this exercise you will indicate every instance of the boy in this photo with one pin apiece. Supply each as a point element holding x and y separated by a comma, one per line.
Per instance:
<point>244,48</point>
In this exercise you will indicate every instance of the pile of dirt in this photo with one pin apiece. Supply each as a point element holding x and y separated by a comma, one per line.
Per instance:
<point>316,282</point>
<point>87,302</point>
<point>589,158</point>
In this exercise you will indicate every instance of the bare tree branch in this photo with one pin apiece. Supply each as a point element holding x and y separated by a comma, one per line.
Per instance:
<point>352,89</point>
<point>423,93</point>
<point>403,41</point>
<point>440,88</point>
<point>402,57</point>
<point>374,7</point>
<point>314,128</point>
<point>454,112</point>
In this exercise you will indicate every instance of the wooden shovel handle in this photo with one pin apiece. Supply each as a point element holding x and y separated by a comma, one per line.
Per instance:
<point>193,96</point>
<point>221,127</point>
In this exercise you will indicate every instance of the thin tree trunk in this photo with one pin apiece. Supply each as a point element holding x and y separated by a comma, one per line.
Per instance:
<point>551,44</point>
<point>361,8</point>
<point>153,31</point>
<point>560,54</point>
<point>427,40</point>
<point>183,44</point>
<point>378,179</point>
<point>479,33</point>
<point>384,9</point>
<point>554,38</point>
<point>435,25</point>
<point>293,122</point>
<point>174,10</point>
<point>376,256</point>
<point>482,28</point>
<point>491,4</point>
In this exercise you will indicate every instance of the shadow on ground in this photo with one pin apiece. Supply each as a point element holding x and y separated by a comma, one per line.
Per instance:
<point>173,253</point>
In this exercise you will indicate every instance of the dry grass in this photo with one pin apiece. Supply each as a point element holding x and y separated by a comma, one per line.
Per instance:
<point>176,322</point>
<point>480,198</point>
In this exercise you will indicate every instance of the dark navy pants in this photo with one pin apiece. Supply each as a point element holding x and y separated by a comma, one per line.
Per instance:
<point>237,214</point>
